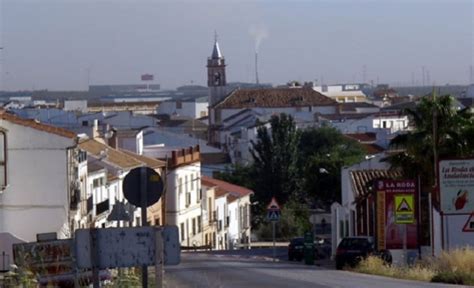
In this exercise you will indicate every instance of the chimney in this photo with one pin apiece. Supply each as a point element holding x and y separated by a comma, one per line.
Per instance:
<point>95,129</point>
<point>112,140</point>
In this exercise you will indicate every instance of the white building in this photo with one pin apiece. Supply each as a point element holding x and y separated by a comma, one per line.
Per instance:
<point>232,212</point>
<point>38,173</point>
<point>342,92</point>
<point>300,102</point>
<point>186,108</point>
<point>75,105</point>
<point>183,194</point>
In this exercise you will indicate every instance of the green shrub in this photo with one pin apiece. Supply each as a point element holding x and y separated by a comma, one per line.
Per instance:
<point>454,277</point>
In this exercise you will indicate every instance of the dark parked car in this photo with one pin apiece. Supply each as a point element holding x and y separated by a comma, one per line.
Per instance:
<point>322,248</point>
<point>296,249</point>
<point>352,249</point>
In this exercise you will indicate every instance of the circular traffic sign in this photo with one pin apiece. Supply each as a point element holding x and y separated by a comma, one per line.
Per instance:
<point>142,178</point>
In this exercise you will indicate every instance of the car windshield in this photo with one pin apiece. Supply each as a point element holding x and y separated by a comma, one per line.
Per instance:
<point>354,243</point>
<point>297,241</point>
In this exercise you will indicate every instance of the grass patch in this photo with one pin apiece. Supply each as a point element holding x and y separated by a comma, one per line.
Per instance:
<point>454,267</point>
<point>376,266</point>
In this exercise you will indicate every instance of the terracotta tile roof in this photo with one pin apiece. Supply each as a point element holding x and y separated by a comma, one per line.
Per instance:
<point>372,148</point>
<point>362,137</point>
<point>274,97</point>
<point>220,193</point>
<point>228,187</point>
<point>36,125</point>
<point>150,162</point>
<point>360,179</point>
<point>113,156</point>
<point>232,197</point>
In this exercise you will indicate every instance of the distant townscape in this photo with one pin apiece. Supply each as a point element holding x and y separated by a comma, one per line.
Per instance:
<point>64,156</point>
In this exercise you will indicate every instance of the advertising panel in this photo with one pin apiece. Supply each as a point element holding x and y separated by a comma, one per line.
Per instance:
<point>456,185</point>
<point>399,210</point>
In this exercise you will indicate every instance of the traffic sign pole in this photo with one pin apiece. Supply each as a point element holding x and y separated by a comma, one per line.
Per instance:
<point>273,235</point>
<point>143,194</point>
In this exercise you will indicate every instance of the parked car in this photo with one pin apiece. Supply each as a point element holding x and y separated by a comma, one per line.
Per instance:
<point>322,248</point>
<point>296,249</point>
<point>352,249</point>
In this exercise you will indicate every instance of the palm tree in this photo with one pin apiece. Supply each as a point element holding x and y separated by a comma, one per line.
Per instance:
<point>441,130</point>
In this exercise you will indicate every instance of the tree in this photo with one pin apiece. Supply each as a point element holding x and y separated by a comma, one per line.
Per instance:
<point>438,126</point>
<point>275,154</point>
<point>322,153</point>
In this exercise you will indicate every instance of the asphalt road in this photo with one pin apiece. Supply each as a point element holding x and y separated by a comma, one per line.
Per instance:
<point>225,269</point>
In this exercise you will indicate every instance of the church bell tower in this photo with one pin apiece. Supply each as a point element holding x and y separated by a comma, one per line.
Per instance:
<point>216,78</point>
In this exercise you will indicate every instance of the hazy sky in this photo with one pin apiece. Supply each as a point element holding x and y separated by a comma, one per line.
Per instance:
<point>56,44</point>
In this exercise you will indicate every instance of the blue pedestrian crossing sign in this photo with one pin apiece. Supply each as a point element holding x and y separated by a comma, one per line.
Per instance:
<point>273,210</point>
<point>273,215</point>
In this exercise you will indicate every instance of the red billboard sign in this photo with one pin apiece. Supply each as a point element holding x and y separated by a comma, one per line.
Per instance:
<point>391,229</point>
<point>147,77</point>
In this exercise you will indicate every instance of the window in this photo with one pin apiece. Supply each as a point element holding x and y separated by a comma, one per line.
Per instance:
<point>199,224</point>
<point>186,184</point>
<point>98,182</point>
<point>3,159</point>
<point>188,199</point>
<point>180,185</point>
<point>182,231</point>
<point>192,182</point>
<point>194,226</point>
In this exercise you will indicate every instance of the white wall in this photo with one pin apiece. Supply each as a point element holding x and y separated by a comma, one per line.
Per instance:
<point>36,199</point>
<point>188,109</point>
<point>180,181</point>
<point>75,105</point>
<point>222,212</point>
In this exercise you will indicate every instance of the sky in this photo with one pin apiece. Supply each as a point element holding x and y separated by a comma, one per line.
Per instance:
<point>68,44</point>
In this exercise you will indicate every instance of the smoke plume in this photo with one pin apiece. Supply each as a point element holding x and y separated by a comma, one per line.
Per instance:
<point>258,33</point>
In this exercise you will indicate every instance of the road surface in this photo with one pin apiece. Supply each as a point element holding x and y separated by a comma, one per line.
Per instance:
<point>234,271</point>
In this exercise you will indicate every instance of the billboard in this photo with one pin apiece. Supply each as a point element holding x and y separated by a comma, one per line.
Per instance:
<point>147,77</point>
<point>456,186</point>
<point>396,210</point>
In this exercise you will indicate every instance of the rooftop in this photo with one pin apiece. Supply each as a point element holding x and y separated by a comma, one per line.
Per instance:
<point>36,125</point>
<point>361,180</point>
<point>109,154</point>
<point>273,98</point>
<point>225,186</point>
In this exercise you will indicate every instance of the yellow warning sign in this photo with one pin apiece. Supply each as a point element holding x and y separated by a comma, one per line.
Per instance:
<point>405,209</point>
